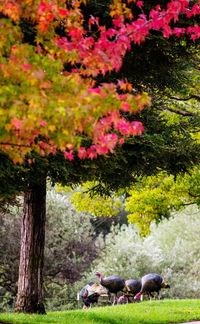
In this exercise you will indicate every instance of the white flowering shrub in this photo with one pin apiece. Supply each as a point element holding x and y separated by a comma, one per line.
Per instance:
<point>172,250</point>
<point>178,240</point>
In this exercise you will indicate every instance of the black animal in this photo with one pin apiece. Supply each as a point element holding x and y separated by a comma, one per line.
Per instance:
<point>151,282</point>
<point>91,293</point>
<point>132,287</point>
<point>113,284</point>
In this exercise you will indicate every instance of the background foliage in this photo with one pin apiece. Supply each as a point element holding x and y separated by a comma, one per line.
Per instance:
<point>172,249</point>
<point>70,247</point>
<point>73,252</point>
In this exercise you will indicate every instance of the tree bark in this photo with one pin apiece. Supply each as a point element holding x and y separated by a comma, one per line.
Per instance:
<point>30,281</point>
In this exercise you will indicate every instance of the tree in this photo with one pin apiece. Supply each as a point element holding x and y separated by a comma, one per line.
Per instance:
<point>154,198</point>
<point>148,200</point>
<point>169,71</point>
<point>51,105</point>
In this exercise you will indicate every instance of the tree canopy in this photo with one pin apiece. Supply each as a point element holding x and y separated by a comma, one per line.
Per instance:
<point>49,87</point>
<point>46,107</point>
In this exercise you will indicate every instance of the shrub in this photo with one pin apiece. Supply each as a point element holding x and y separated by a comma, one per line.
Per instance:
<point>172,249</point>
<point>70,247</point>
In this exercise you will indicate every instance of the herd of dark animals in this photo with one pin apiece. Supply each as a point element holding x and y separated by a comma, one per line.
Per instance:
<point>132,290</point>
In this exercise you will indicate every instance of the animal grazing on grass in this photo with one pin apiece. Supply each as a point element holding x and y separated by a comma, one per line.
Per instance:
<point>151,283</point>
<point>113,284</point>
<point>132,287</point>
<point>91,293</point>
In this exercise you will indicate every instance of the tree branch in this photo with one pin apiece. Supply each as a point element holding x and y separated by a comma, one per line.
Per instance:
<point>193,96</point>
<point>184,113</point>
<point>15,144</point>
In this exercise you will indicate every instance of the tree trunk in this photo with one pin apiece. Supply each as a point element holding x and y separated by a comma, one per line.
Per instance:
<point>30,282</point>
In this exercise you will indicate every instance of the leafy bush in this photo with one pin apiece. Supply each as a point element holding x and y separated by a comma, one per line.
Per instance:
<point>9,256</point>
<point>70,247</point>
<point>179,241</point>
<point>172,249</point>
<point>69,240</point>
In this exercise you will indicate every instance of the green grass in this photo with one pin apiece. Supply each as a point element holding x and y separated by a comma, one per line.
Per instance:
<point>155,312</point>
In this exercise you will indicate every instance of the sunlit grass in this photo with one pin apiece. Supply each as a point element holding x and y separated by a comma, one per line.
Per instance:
<point>155,312</point>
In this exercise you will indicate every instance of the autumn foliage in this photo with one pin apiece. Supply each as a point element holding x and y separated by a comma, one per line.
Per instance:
<point>49,97</point>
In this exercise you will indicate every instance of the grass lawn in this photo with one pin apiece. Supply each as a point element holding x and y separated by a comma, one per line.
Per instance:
<point>154,312</point>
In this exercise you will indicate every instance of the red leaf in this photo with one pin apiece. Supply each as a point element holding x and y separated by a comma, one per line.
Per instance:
<point>63,12</point>
<point>82,154</point>
<point>91,152</point>
<point>17,123</point>
<point>140,4</point>
<point>43,123</point>
<point>68,155</point>
<point>125,106</point>
<point>178,31</point>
